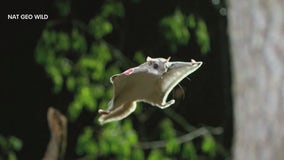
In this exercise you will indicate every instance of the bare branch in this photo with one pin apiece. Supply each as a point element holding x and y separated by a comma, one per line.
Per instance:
<point>58,139</point>
<point>182,139</point>
<point>179,119</point>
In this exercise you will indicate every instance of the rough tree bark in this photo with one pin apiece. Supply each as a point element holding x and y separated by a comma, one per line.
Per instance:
<point>256,29</point>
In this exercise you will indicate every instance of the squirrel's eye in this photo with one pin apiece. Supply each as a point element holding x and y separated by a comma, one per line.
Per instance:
<point>155,66</point>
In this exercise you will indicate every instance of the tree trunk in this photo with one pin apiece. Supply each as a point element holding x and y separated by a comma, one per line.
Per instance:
<point>256,30</point>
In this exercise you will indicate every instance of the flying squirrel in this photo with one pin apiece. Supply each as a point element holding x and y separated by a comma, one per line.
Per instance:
<point>150,82</point>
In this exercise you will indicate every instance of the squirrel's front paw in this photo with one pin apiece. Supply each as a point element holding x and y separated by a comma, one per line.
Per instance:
<point>101,111</point>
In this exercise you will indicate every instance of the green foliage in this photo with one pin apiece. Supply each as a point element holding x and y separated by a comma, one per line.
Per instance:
<point>112,8</point>
<point>167,129</point>
<point>63,7</point>
<point>139,57</point>
<point>209,145</point>
<point>157,154</point>
<point>202,36</point>
<point>169,134</point>
<point>9,146</point>
<point>116,139</point>
<point>84,75</point>
<point>78,42</point>
<point>189,151</point>
<point>86,143</point>
<point>176,30</point>
<point>191,22</point>
<point>100,27</point>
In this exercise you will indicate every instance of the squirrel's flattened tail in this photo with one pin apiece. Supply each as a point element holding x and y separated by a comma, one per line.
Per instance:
<point>118,113</point>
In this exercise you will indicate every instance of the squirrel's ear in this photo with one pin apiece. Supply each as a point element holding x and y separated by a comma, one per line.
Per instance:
<point>169,58</point>
<point>148,59</point>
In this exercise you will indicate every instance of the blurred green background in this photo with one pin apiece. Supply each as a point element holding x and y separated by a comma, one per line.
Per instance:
<point>67,60</point>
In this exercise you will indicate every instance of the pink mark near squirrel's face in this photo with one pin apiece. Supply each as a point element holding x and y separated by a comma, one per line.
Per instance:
<point>129,71</point>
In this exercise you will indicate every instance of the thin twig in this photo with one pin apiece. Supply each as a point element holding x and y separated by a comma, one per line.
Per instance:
<point>182,139</point>
<point>179,119</point>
